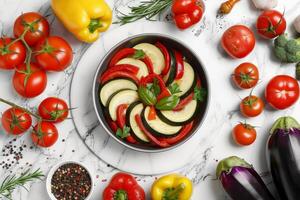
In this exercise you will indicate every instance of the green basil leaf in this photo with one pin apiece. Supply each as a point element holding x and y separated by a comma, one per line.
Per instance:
<point>174,88</point>
<point>168,103</point>
<point>147,96</point>
<point>123,133</point>
<point>200,94</point>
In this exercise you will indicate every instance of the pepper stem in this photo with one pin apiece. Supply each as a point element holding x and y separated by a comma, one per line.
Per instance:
<point>94,25</point>
<point>173,193</point>
<point>120,195</point>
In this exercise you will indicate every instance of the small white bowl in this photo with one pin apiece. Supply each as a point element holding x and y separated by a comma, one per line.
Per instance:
<point>53,170</point>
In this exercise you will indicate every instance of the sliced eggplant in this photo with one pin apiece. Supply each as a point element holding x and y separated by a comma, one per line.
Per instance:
<point>169,78</point>
<point>113,86</point>
<point>154,53</point>
<point>136,132</point>
<point>181,117</point>
<point>188,82</point>
<point>143,70</point>
<point>121,97</point>
<point>157,126</point>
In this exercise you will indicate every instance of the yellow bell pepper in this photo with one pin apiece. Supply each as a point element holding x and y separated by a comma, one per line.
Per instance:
<point>172,186</point>
<point>85,19</point>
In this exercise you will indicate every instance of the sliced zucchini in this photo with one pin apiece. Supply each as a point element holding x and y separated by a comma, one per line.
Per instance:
<point>143,70</point>
<point>136,132</point>
<point>157,126</point>
<point>121,97</point>
<point>169,78</point>
<point>154,54</point>
<point>182,117</point>
<point>109,88</point>
<point>188,82</point>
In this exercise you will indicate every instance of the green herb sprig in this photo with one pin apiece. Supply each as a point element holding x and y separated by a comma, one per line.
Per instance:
<point>146,9</point>
<point>10,183</point>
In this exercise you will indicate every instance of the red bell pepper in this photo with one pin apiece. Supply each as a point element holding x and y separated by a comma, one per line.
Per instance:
<point>122,67</point>
<point>121,111</point>
<point>113,125</point>
<point>121,120</point>
<point>148,134</point>
<point>184,102</point>
<point>123,186</point>
<point>118,74</point>
<point>183,133</point>
<point>135,53</point>
<point>120,55</point>
<point>186,13</point>
<point>179,65</point>
<point>166,54</point>
<point>152,113</point>
<point>149,64</point>
<point>164,91</point>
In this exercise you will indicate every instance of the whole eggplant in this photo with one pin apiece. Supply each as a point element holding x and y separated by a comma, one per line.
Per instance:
<point>241,181</point>
<point>283,156</point>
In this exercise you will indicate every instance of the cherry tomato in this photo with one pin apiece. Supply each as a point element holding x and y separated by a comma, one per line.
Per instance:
<point>244,134</point>
<point>270,24</point>
<point>282,92</point>
<point>16,121</point>
<point>11,53</point>
<point>246,75</point>
<point>44,134</point>
<point>30,82</point>
<point>53,54</point>
<point>35,23</point>
<point>53,109</point>
<point>251,106</point>
<point>238,41</point>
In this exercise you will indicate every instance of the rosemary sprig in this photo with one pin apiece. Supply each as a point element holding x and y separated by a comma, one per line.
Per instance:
<point>146,9</point>
<point>11,182</point>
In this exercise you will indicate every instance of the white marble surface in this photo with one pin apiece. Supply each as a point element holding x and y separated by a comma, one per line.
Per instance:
<point>214,144</point>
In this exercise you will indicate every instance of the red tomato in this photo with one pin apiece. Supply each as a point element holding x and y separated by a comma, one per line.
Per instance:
<point>238,41</point>
<point>246,75</point>
<point>251,106</point>
<point>244,134</point>
<point>16,121</point>
<point>35,23</point>
<point>270,24</point>
<point>11,54</point>
<point>53,109</point>
<point>30,82</point>
<point>44,134</point>
<point>282,92</point>
<point>53,54</point>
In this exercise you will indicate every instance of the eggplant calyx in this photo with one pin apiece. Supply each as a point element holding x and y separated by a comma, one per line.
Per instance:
<point>285,123</point>
<point>227,164</point>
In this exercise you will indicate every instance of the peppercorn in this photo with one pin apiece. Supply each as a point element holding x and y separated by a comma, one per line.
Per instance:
<point>71,181</point>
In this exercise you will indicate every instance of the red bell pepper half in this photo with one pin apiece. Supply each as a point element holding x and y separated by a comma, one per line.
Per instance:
<point>179,65</point>
<point>118,74</point>
<point>123,186</point>
<point>186,13</point>
<point>166,54</point>
<point>121,120</point>
<point>122,67</point>
<point>135,53</point>
<point>148,134</point>
<point>183,133</point>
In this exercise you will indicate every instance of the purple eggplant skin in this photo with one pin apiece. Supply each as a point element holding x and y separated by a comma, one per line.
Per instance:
<point>283,156</point>
<point>240,180</point>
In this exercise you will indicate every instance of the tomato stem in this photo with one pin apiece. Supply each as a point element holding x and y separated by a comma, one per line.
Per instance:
<point>24,109</point>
